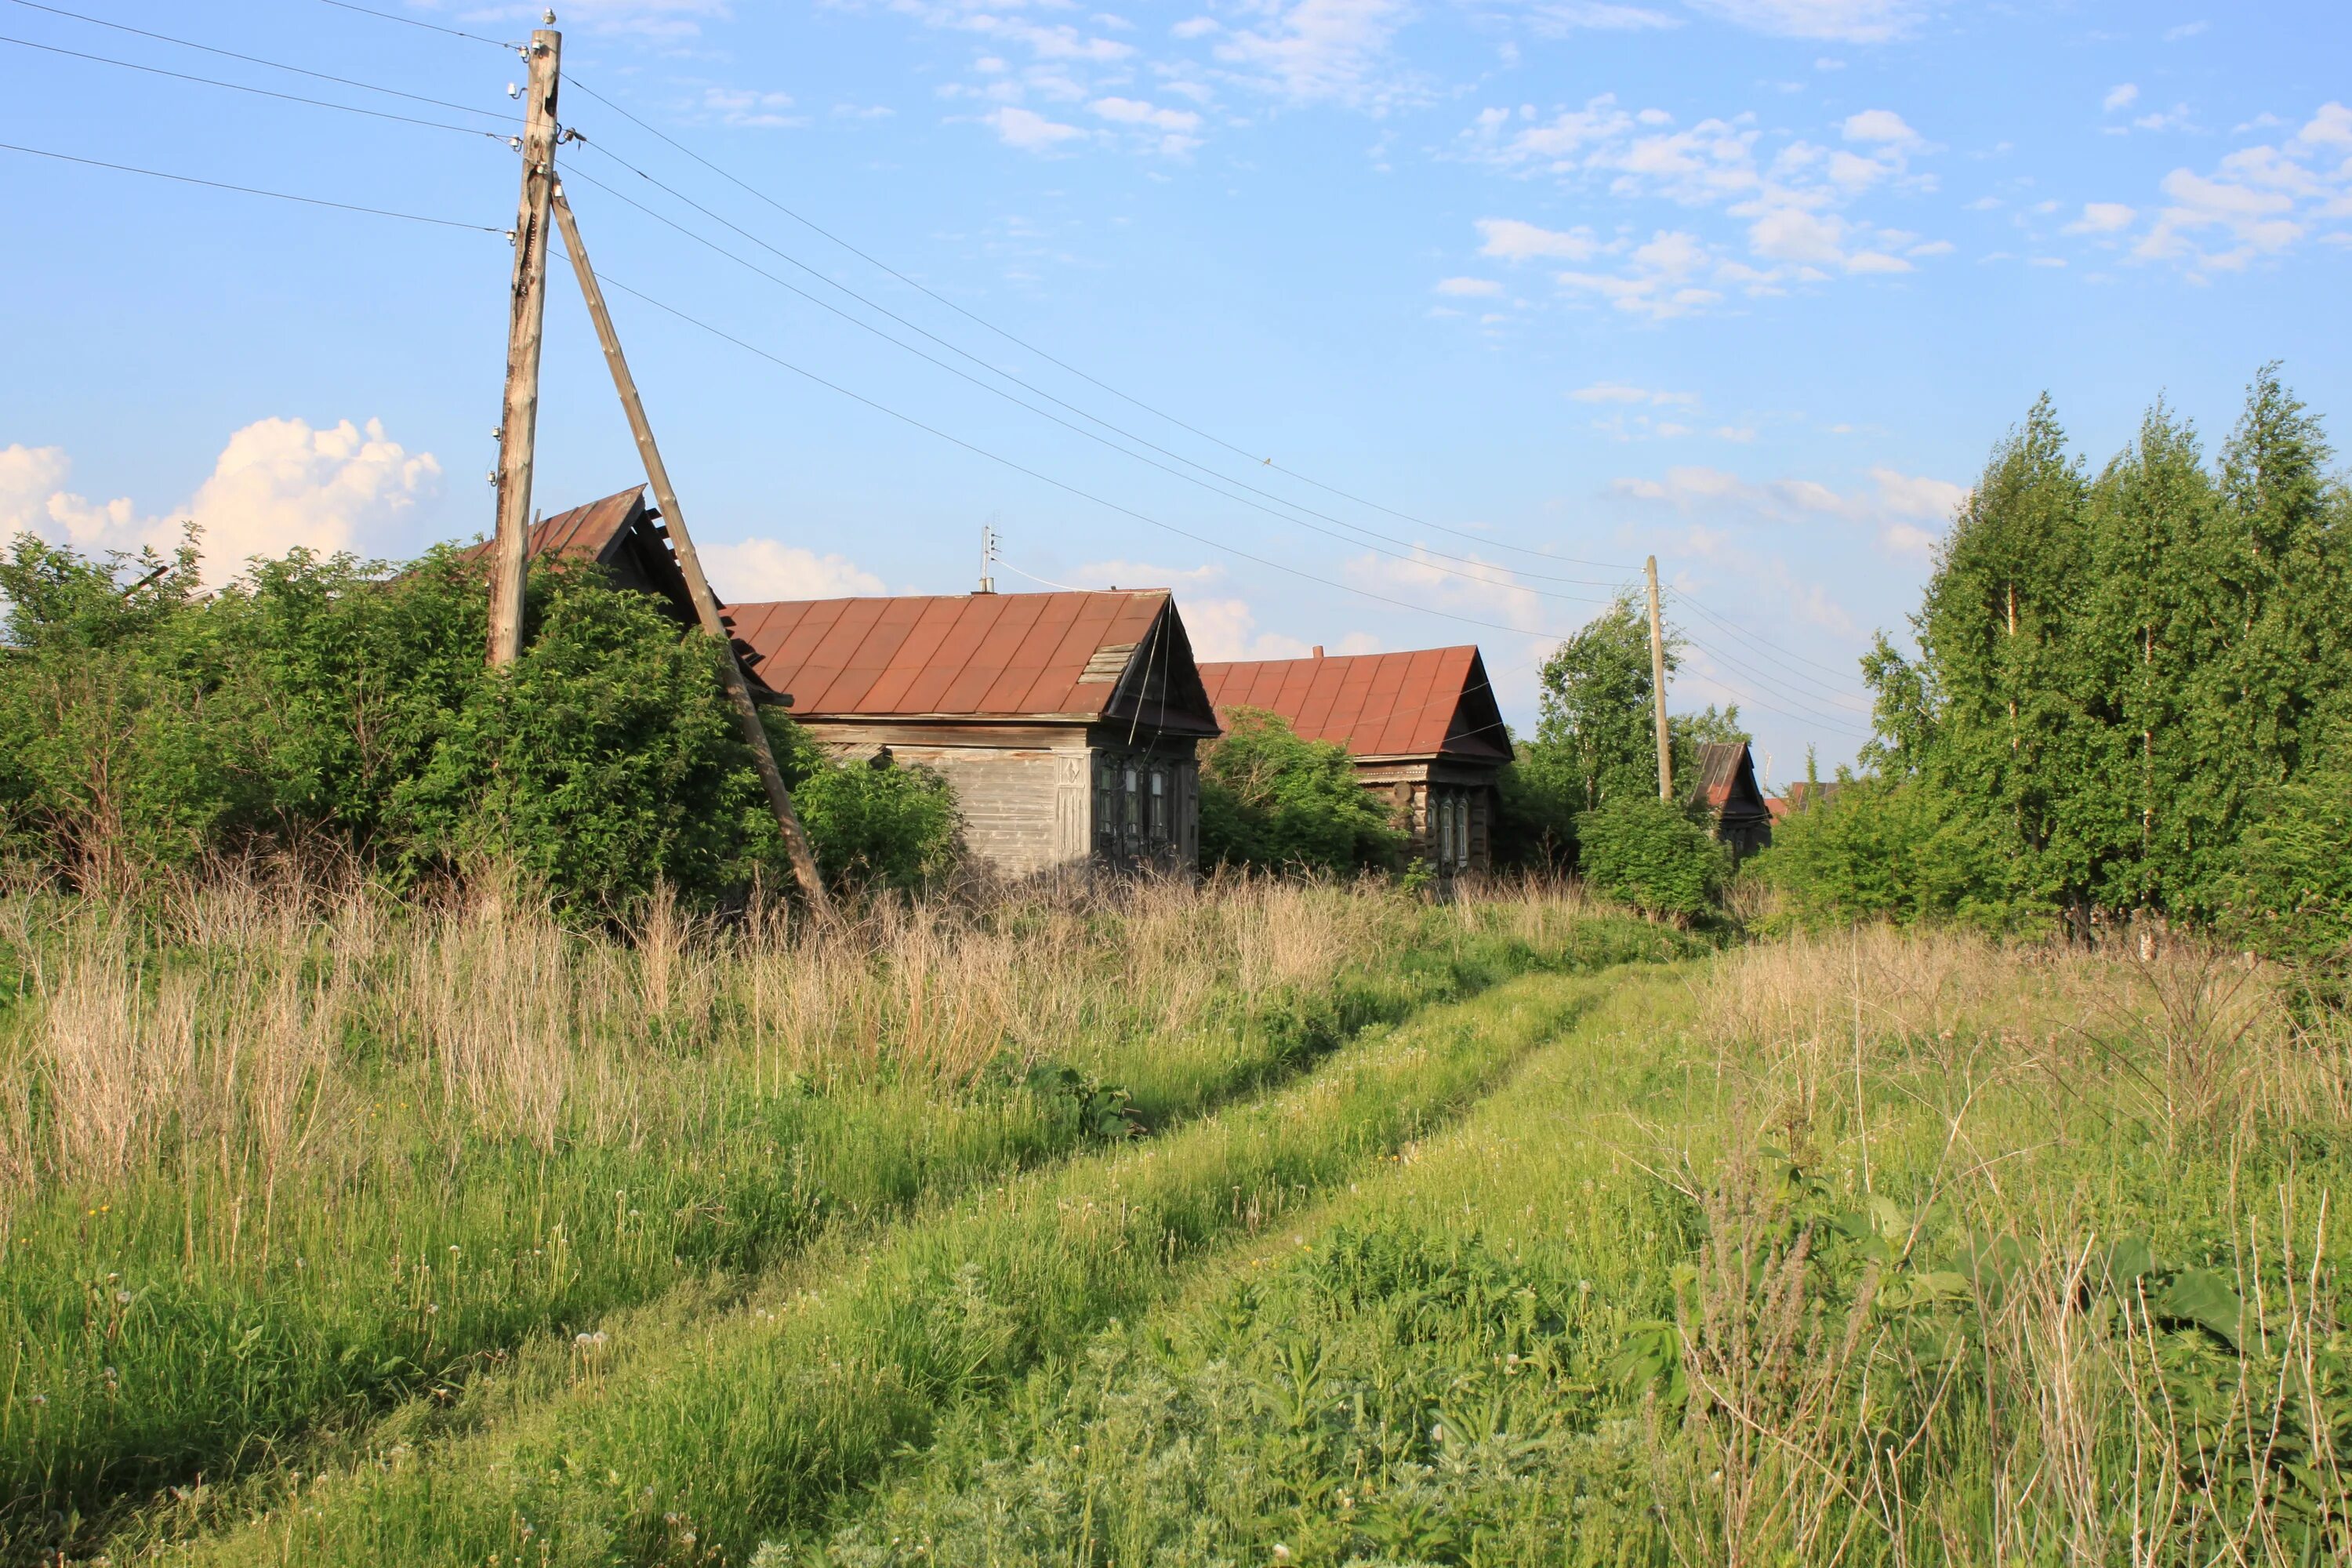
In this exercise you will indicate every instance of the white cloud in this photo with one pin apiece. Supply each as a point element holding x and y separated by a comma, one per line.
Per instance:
<point>1878,125</point>
<point>1555,17</point>
<point>1617,392</point>
<point>278,485</point>
<point>743,107</point>
<point>1478,587</point>
<point>1030,131</point>
<point>2103,218</point>
<point>1793,206</point>
<point>2258,201</point>
<point>1847,21</point>
<point>2186,30</point>
<point>670,21</point>
<point>1135,112</point>
<point>749,571</point>
<point>1194,27</point>
<point>2119,96</point>
<point>1310,50</point>
<point>1892,508</point>
<point>1467,287</point>
<point>1512,240</point>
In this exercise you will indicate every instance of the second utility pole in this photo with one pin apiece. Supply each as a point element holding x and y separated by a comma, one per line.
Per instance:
<point>526,313</point>
<point>1658,690</point>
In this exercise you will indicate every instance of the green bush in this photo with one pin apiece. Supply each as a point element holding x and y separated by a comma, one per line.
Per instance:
<point>1274,801</point>
<point>325,706</point>
<point>874,826</point>
<point>1892,850</point>
<point>2295,885</point>
<point>1651,854</point>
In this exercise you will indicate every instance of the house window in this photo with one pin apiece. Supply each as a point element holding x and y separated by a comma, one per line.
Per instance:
<point>1132,821</point>
<point>1462,833</point>
<point>1442,809</point>
<point>1158,823</point>
<point>1106,806</point>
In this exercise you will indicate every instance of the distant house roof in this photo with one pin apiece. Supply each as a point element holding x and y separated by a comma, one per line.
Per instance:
<point>1727,781</point>
<point>1805,793</point>
<point>1432,702</point>
<point>1083,656</point>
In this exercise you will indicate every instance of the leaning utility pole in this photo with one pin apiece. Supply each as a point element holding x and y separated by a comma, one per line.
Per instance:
<point>706,605</point>
<point>526,312</point>
<point>1658,690</point>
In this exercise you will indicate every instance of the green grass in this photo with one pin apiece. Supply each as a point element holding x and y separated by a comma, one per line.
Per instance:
<point>1670,1297</point>
<point>690,1452</point>
<point>190,1324</point>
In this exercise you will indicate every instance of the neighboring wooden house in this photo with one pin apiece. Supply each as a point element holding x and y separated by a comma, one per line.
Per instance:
<point>1066,723</point>
<point>1423,727</point>
<point>1734,801</point>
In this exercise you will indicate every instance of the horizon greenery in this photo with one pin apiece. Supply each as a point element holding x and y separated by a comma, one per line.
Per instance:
<point>2132,697</point>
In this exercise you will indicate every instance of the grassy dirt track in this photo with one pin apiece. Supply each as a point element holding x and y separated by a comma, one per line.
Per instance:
<point>772,1415</point>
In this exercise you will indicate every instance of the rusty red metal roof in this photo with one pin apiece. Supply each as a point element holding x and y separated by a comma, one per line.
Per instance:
<point>593,532</point>
<point>1726,780</point>
<point>1430,702</point>
<point>1069,656</point>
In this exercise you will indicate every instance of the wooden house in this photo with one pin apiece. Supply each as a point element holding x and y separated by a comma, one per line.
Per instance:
<point>1068,724</point>
<point>1734,801</point>
<point>1423,727</point>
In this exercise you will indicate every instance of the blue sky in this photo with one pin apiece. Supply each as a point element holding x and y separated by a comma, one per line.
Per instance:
<point>1536,290</point>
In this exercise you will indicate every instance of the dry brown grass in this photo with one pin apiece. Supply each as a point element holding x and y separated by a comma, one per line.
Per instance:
<point>250,1017</point>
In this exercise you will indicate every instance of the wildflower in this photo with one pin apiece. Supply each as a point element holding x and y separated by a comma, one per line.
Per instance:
<point>1437,1431</point>
<point>431,1308</point>
<point>40,1399</point>
<point>1281,1552</point>
<point>123,1298</point>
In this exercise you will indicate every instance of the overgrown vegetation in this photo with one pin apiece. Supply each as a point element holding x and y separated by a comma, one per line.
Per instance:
<point>1806,1266</point>
<point>274,1160</point>
<point>337,711</point>
<point>1595,741</point>
<point>1653,855</point>
<point>2132,698</point>
<point>1272,800</point>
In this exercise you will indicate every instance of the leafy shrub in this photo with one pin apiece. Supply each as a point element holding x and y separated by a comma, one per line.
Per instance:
<point>1650,853</point>
<point>871,827</point>
<point>1272,800</point>
<point>1537,797</point>
<point>2295,885</point>
<point>1888,850</point>
<point>320,703</point>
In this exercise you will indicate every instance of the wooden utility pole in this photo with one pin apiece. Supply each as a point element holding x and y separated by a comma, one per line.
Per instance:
<point>526,312</point>
<point>706,605</point>
<point>1658,690</point>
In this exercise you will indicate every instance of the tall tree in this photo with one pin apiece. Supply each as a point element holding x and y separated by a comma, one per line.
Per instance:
<point>1994,628</point>
<point>1594,707</point>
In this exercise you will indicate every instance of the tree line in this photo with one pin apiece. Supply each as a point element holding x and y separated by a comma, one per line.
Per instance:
<point>2129,698</point>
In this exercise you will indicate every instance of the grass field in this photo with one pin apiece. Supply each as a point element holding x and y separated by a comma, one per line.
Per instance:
<point>1251,1225</point>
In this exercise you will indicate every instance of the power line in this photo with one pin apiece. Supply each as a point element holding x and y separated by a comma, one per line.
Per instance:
<point>1737,630</point>
<point>1802,714</point>
<point>257,60</point>
<point>1811,688</point>
<point>876,262</point>
<point>414,22</point>
<point>1027,386</point>
<point>1079,431</point>
<point>249,190</point>
<point>258,92</point>
<point>1025,469</point>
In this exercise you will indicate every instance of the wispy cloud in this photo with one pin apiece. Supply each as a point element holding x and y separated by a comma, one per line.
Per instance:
<point>1792,207</point>
<point>1846,21</point>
